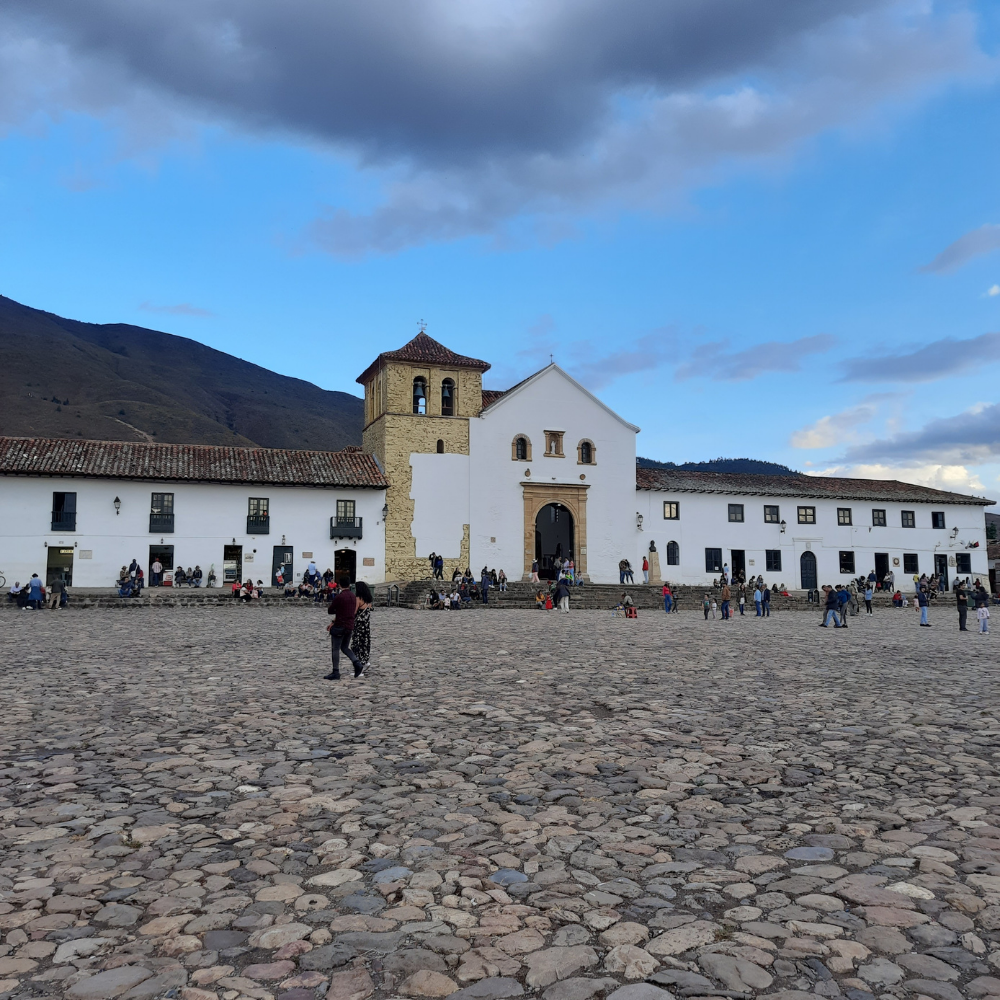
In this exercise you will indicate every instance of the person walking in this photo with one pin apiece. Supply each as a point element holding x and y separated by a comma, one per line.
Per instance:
<point>843,600</point>
<point>344,607</point>
<point>668,598</point>
<point>962,603</point>
<point>361,636</point>
<point>645,570</point>
<point>923,601</point>
<point>562,595</point>
<point>55,593</point>
<point>155,572</point>
<point>758,599</point>
<point>869,594</point>
<point>726,595</point>
<point>832,607</point>
<point>534,571</point>
<point>766,601</point>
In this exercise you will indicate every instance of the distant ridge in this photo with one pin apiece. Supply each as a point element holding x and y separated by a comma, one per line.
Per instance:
<point>115,382</point>
<point>752,465</point>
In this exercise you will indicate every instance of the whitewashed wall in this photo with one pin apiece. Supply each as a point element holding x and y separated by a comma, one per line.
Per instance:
<point>704,523</point>
<point>551,401</point>
<point>207,517</point>
<point>440,494</point>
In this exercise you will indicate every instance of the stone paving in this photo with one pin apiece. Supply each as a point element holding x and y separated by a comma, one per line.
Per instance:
<point>565,806</point>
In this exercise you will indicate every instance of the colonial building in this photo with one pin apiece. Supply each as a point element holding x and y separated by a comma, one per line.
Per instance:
<point>480,477</point>
<point>81,510</point>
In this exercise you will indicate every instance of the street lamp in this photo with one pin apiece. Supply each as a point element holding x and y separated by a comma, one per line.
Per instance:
<point>782,527</point>
<point>638,520</point>
<point>118,506</point>
<point>385,511</point>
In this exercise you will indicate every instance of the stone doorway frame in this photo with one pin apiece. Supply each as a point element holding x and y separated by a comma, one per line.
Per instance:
<point>571,496</point>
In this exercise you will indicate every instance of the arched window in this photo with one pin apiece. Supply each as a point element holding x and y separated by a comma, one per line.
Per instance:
<point>520,449</point>
<point>586,453</point>
<point>448,398</point>
<point>420,394</point>
<point>673,554</point>
<point>440,447</point>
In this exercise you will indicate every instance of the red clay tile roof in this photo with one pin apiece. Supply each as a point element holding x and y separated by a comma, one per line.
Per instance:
<point>490,396</point>
<point>194,463</point>
<point>807,487</point>
<point>424,350</point>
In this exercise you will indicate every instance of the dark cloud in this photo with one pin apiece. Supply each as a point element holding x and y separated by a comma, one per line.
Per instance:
<point>716,360</point>
<point>181,309</point>
<point>973,436</point>
<point>471,114</point>
<point>985,239</point>
<point>939,359</point>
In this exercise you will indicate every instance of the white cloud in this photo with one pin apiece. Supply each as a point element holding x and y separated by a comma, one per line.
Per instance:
<point>956,478</point>
<point>994,290</point>
<point>836,428</point>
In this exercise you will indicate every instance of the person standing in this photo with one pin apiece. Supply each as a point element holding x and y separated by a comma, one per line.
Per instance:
<point>484,585</point>
<point>628,572</point>
<point>743,599</point>
<point>439,568</point>
<point>361,636</point>
<point>668,598</point>
<point>843,600</point>
<point>869,594</point>
<point>725,573</point>
<point>983,609</point>
<point>534,571</point>
<point>726,595</point>
<point>156,572</point>
<point>55,593</point>
<point>766,601</point>
<point>562,595</point>
<point>758,599</point>
<point>645,570</point>
<point>344,606</point>
<point>923,601</point>
<point>35,594</point>
<point>962,603</point>
<point>706,606</point>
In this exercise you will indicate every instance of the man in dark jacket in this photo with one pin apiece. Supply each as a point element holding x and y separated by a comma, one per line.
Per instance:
<point>561,596</point>
<point>832,607</point>
<point>962,602</point>
<point>344,606</point>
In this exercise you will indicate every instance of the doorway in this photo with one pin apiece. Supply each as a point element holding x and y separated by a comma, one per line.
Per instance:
<point>165,553</point>
<point>59,566</point>
<point>553,538</point>
<point>881,568</point>
<point>281,565</point>
<point>345,563</point>
<point>941,571</point>
<point>232,564</point>
<point>739,567</point>
<point>807,570</point>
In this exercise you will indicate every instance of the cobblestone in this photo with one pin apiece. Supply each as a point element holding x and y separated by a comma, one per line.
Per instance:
<point>513,804</point>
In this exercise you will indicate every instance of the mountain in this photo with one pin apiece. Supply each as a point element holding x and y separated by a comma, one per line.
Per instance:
<point>115,382</point>
<point>754,465</point>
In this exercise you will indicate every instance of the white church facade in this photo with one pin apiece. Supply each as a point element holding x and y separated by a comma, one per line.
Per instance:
<point>480,477</point>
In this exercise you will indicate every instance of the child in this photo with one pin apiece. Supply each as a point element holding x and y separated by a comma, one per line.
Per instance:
<point>983,614</point>
<point>869,594</point>
<point>706,606</point>
<point>714,608</point>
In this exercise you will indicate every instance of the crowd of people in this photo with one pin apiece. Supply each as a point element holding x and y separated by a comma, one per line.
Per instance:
<point>465,588</point>
<point>34,595</point>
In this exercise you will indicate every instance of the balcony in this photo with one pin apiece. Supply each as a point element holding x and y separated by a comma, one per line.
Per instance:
<point>258,524</point>
<point>345,527</point>
<point>63,520</point>
<point>161,524</point>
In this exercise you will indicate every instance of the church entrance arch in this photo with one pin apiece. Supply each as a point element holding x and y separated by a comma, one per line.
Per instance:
<point>807,570</point>
<point>555,523</point>
<point>554,538</point>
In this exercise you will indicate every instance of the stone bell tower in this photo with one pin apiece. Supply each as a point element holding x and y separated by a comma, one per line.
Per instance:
<point>418,400</point>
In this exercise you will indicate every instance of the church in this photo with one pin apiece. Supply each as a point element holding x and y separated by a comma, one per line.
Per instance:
<point>481,477</point>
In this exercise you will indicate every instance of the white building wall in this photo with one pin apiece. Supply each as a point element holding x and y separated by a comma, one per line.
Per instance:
<point>704,523</point>
<point>440,494</point>
<point>551,401</point>
<point>206,517</point>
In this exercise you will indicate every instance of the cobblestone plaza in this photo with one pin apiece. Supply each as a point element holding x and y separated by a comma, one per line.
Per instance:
<point>511,804</point>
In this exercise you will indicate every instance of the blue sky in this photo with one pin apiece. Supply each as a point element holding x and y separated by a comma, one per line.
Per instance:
<point>761,228</point>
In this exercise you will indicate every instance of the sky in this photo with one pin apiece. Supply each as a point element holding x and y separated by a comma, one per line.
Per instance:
<point>764,228</point>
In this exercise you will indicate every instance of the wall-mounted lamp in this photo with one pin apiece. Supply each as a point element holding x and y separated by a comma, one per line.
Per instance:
<point>782,527</point>
<point>385,511</point>
<point>638,520</point>
<point>954,532</point>
<point>118,505</point>
<point>283,542</point>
